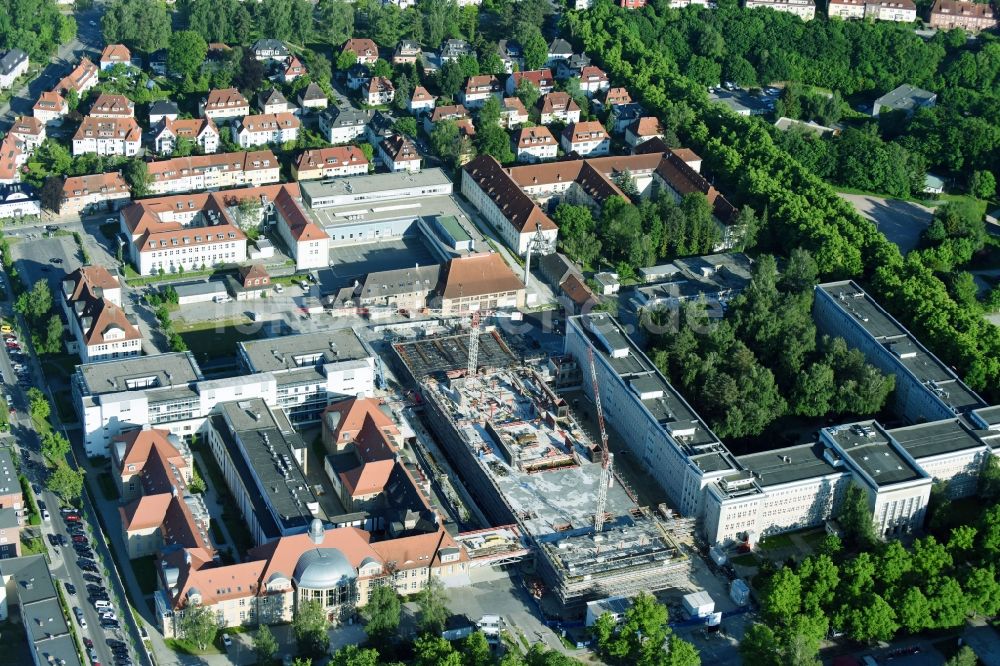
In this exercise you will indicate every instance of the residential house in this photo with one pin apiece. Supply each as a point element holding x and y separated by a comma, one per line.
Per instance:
<point>101,330</point>
<point>309,243</point>
<point>512,113</point>
<point>81,79</point>
<point>540,78</point>
<point>266,128</point>
<point>613,98</point>
<point>201,131</point>
<point>453,49</point>
<point>407,52</point>
<point>502,202</point>
<point>13,65</point>
<point>115,54</point>
<point>312,97</point>
<point>358,77</point>
<point>905,99</point>
<point>407,289</point>
<point>573,66</point>
<point>224,104</point>
<point>50,108</point>
<point>272,101</point>
<point>398,153</point>
<point>556,267</point>
<point>593,80</point>
<point>30,131</point>
<point>421,101</point>
<point>450,112</point>
<point>643,130</point>
<point>901,11</point>
<point>804,9</point>
<point>364,50</point>
<point>534,144</point>
<point>480,282</point>
<point>19,200</point>
<point>270,49</point>
<point>157,62</point>
<point>213,172</point>
<point>559,49</point>
<point>969,16</point>
<point>478,89</point>
<point>512,55</point>
<point>12,156</point>
<point>342,125</point>
<point>624,115</point>
<point>99,191</point>
<point>631,4</point>
<point>108,136</point>
<point>380,126</point>
<point>575,290</point>
<point>12,512</point>
<point>587,139</point>
<point>558,107</point>
<point>108,105</point>
<point>607,283</point>
<point>162,109</point>
<point>380,91</point>
<point>251,282</point>
<point>330,163</point>
<point>293,70</point>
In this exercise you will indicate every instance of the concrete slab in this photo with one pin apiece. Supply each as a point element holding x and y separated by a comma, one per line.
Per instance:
<point>901,221</point>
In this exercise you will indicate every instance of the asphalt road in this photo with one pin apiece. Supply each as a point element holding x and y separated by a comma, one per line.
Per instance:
<point>88,41</point>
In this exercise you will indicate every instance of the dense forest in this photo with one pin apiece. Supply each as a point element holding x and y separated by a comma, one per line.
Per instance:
<point>801,209</point>
<point>35,26</point>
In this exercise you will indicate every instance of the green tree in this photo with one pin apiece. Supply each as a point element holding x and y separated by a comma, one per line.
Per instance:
<point>874,620</point>
<point>310,629</point>
<point>36,303</point>
<point>476,651</point>
<point>65,481</point>
<point>982,184</point>
<point>536,51</point>
<point>761,646</point>
<point>140,24</point>
<point>39,406</point>
<point>346,60</point>
<point>55,447</point>
<point>855,518</point>
<point>382,613</point>
<point>642,634</point>
<point>136,174</point>
<point>681,653</point>
<point>966,656</point>
<point>186,52</point>
<point>446,141</point>
<point>492,140</point>
<point>406,125</point>
<point>914,611</point>
<point>432,608</point>
<point>198,626</point>
<point>432,650</point>
<point>577,236</point>
<point>334,21</point>
<point>989,480</point>
<point>527,93</point>
<point>353,655</point>
<point>265,646</point>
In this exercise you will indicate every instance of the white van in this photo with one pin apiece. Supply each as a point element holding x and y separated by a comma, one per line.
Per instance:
<point>223,299</point>
<point>101,603</point>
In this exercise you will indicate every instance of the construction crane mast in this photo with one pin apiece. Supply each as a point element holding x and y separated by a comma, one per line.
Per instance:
<point>473,366</point>
<point>605,482</point>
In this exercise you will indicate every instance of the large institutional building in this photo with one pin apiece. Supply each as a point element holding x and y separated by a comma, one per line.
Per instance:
<point>736,498</point>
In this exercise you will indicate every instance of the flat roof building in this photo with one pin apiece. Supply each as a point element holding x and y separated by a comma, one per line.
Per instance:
<point>905,98</point>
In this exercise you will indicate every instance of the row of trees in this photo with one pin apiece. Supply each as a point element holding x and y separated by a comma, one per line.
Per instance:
<point>802,210</point>
<point>62,479</point>
<point>880,592</point>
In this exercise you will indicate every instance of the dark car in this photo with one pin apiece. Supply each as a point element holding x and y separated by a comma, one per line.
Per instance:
<point>111,624</point>
<point>114,642</point>
<point>91,578</point>
<point>87,566</point>
<point>71,588</point>
<point>54,540</point>
<point>63,541</point>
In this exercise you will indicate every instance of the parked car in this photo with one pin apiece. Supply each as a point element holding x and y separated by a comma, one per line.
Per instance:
<point>227,641</point>
<point>88,643</point>
<point>71,588</point>
<point>72,517</point>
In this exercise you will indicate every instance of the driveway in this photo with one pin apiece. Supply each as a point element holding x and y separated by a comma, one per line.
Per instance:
<point>901,221</point>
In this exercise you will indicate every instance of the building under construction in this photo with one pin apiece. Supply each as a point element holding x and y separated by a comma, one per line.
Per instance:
<point>526,461</point>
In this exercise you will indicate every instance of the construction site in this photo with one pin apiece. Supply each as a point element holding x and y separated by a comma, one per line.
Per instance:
<point>526,461</point>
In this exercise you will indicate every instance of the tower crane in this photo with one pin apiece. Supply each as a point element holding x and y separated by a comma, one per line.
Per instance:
<point>605,482</point>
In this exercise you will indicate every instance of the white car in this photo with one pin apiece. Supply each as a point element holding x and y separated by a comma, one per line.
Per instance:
<point>108,615</point>
<point>278,289</point>
<point>226,640</point>
<point>46,516</point>
<point>223,299</point>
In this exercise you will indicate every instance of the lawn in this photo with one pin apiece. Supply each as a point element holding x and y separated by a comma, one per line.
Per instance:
<point>814,539</point>
<point>230,516</point>
<point>32,547</point>
<point>184,647</point>
<point>776,542</point>
<point>108,487</point>
<point>145,573</point>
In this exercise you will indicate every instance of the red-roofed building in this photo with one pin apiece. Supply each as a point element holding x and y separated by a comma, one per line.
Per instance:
<point>50,108</point>
<point>365,50</point>
<point>593,80</point>
<point>294,70</point>
<point>535,144</point>
<point>309,244</point>
<point>108,136</point>
<point>480,282</point>
<point>81,79</point>
<point>642,130</point>
<point>99,191</point>
<point>115,54</point>
<point>330,162</point>
<point>478,89</point>
<point>540,78</point>
<point>28,130</point>
<point>587,139</point>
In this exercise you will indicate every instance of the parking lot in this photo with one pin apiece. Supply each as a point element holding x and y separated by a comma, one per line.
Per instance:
<point>352,261</point>
<point>38,258</point>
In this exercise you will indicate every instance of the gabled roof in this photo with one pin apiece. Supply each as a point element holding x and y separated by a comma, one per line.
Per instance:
<point>74,80</point>
<point>577,290</point>
<point>360,47</point>
<point>253,272</point>
<point>555,102</point>
<point>380,84</point>
<point>88,282</point>
<point>449,112</point>
<point>560,46</point>
<point>146,512</point>
<point>334,156</point>
<point>225,98</point>
<point>514,105</point>
<point>361,422</point>
<point>312,92</point>
<point>536,77</point>
<point>478,275</point>
<point>98,183</point>
<point>188,128</point>
<point>529,137</point>
<point>420,94</point>
<point>124,129</point>
<point>110,104</point>
<point>98,317</point>
<point>300,226</point>
<point>367,478</point>
<point>646,126</point>
<point>50,101</point>
<point>506,195</point>
<point>400,149</point>
<point>116,53</point>
<point>144,443</point>
<point>417,551</point>
<point>267,122</point>
<point>269,97</point>
<point>27,126</point>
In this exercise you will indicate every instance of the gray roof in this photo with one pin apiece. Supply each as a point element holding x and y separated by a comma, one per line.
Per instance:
<point>270,45</point>
<point>794,463</point>
<point>34,590</point>
<point>322,569</point>
<point>8,518</point>
<point>383,284</point>
<point>9,483</point>
<point>934,439</point>
<point>905,98</point>
<point>137,373</point>
<point>453,48</point>
<point>163,107</point>
<point>375,182</point>
<point>200,288</point>
<point>312,92</point>
<point>17,192</point>
<point>272,96</point>
<point>346,117</point>
<point>304,350</point>
<point>872,451</point>
<point>560,46</point>
<point>10,60</point>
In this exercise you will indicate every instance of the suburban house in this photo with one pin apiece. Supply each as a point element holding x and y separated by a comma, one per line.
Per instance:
<point>50,108</point>
<point>534,144</point>
<point>13,65</point>
<point>407,52</point>
<point>101,329</point>
<point>380,91</point>
<point>398,153</point>
<point>558,107</point>
<point>904,11</point>
<point>643,130</point>
<point>559,49</point>
<point>453,49</point>
<point>365,50</point>
<point>512,55</point>
<point>421,100</point>
<point>479,282</point>
<point>224,104</point>
<point>593,80</point>
<point>162,109</point>
<point>309,243</point>
<point>293,70</point>
<point>12,157</point>
<point>512,113</point>
<point>969,16</point>
<point>380,126</point>
<point>251,282</point>
<point>30,131</point>
<point>502,202</point>
<point>905,99</point>
<point>613,98</point>
<point>115,54</point>
<point>313,97</point>
<point>270,49</point>
<point>97,191</point>
<point>213,172</point>
<point>81,79</point>
<point>587,139</point>
<point>478,89</point>
<point>451,112</point>
<point>330,163</point>
<point>201,131</point>
<point>108,105</point>
<point>272,101</point>
<point>540,78</point>
<point>266,128</point>
<point>108,136</point>
<point>19,200</point>
<point>574,66</point>
<point>342,125</point>
<point>804,9</point>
